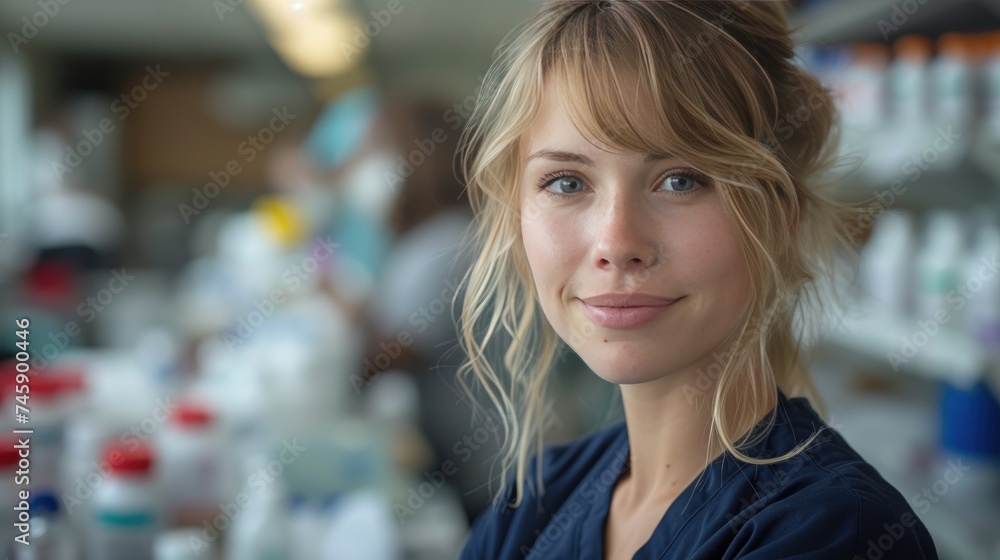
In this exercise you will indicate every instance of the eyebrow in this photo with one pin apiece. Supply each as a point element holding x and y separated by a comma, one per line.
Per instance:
<point>572,157</point>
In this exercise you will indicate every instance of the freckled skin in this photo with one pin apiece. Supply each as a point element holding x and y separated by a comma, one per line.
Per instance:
<point>625,229</point>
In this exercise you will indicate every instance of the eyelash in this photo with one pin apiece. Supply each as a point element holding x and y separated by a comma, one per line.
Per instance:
<point>696,176</point>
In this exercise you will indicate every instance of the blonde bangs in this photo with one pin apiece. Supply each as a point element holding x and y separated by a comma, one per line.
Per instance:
<point>602,70</point>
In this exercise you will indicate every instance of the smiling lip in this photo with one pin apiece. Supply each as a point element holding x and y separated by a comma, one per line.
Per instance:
<point>621,311</point>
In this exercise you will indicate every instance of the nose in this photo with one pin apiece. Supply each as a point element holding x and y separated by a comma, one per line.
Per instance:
<point>625,236</point>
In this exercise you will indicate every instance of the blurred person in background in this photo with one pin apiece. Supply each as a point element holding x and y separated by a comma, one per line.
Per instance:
<point>412,298</point>
<point>349,154</point>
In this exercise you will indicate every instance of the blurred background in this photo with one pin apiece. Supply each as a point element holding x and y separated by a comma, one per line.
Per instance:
<point>232,229</point>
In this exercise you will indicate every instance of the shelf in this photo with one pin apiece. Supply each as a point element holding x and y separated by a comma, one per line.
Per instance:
<point>841,21</point>
<point>949,355</point>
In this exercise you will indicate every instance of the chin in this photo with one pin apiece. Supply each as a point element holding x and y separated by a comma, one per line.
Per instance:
<point>625,371</point>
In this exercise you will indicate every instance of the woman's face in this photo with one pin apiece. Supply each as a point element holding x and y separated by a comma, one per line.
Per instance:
<point>628,223</point>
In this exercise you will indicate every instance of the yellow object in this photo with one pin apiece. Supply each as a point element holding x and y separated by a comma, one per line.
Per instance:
<point>283,221</point>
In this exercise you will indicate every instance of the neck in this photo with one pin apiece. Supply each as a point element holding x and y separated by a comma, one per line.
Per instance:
<point>669,429</point>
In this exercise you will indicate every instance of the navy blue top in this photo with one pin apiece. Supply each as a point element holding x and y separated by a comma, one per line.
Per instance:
<point>824,503</point>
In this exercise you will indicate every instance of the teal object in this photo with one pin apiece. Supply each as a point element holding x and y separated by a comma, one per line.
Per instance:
<point>361,238</point>
<point>341,126</point>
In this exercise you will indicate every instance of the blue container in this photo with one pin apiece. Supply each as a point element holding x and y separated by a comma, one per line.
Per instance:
<point>970,421</point>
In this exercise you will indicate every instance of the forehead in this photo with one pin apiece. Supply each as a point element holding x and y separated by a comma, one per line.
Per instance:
<point>552,122</point>
<point>567,118</point>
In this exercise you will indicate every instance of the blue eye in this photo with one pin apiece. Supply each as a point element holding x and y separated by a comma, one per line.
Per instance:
<point>680,183</point>
<point>563,183</point>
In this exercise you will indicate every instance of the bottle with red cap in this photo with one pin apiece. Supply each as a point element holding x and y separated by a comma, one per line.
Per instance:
<point>190,446</point>
<point>127,514</point>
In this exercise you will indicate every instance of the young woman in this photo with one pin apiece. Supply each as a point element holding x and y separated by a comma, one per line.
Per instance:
<point>641,197</point>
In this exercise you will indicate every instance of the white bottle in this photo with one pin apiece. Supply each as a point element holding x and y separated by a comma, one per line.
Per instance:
<point>191,453</point>
<point>939,266</point>
<point>81,460</point>
<point>988,144</point>
<point>862,101</point>
<point>261,532</point>
<point>952,101</point>
<point>887,261</point>
<point>361,525</point>
<point>982,295</point>
<point>304,528</point>
<point>127,511</point>
<point>907,130</point>
<point>183,544</point>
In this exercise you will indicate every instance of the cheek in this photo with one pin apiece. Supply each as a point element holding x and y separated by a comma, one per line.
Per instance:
<point>550,245</point>
<point>716,260</point>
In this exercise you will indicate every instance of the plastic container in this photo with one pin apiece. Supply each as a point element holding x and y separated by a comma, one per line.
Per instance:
<point>127,505</point>
<point>970,438</point>
<point>862,102</point>
<point>305,528</point>
<point>81,471</point>
<point>990,131</point>
<point>952,101</point>
<point>888,263</point>
<point>939,268</point>
<point>982,298</point>
<point>261,531</point>
<point>907,130</point>
<point>361,525</point>
<point>183,544</point>
<point>191,451</point>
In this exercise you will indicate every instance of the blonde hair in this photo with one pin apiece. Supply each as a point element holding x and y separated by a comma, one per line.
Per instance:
<point>727,98</point>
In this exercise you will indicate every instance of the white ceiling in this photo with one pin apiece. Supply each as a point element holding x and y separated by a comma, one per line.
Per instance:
<point>424,33</point>
<point>137,27</point>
